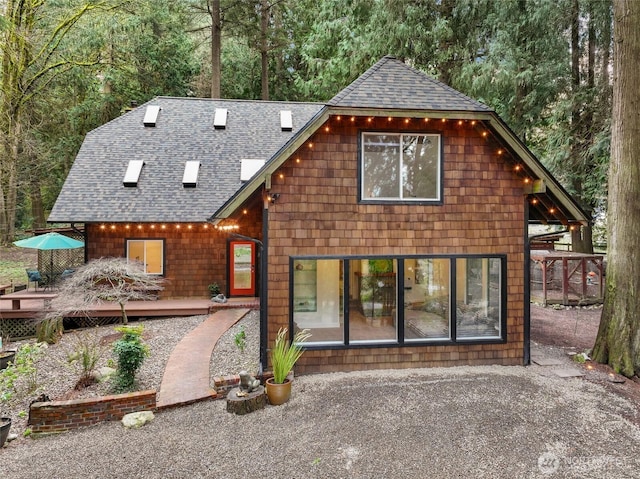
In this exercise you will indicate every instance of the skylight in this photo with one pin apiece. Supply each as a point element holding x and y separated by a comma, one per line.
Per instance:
<point>220,119</point>
<point>286,120</point>
<point>151,115</point>
<point>132,174</point>
<point>190,177</point>
<point>248,168</point>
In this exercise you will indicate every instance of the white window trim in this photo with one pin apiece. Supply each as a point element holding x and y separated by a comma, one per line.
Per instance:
<point>400,198</point>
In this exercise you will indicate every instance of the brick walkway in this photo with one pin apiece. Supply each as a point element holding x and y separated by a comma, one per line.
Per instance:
<point>186,376</point>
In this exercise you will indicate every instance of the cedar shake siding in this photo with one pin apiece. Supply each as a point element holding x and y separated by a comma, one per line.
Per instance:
<point>318,214</point>
<point>195,254</point>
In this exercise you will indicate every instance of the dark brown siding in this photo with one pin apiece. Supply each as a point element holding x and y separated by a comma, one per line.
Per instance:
<point>318,214</point>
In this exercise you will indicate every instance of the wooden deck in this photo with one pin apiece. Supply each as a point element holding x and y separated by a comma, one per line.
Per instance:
<point>32,308</point>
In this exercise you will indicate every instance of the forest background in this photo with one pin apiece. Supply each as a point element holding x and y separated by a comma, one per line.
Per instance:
<point>68,66</point>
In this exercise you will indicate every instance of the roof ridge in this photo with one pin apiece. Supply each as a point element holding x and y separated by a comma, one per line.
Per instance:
<point>444,85</point>
<point>352,86</point>
<point>362,88</point>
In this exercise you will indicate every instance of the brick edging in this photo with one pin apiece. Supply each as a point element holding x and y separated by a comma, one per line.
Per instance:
<point>60,416</point>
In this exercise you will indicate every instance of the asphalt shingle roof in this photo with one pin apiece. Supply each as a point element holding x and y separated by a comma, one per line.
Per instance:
<point>94,192</point>
<point>392,84</point>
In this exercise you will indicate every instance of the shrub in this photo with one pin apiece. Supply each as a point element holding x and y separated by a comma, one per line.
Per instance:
<point>240,339</point>
<point>21,377</point>
<point>85,355</point>
<point>130,351</point>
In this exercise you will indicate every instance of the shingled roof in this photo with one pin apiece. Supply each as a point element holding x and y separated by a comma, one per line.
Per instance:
<point>392,84</point>
<point>94,190</point>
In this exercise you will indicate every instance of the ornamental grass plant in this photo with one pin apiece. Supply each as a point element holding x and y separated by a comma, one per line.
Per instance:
<point>284,354</point>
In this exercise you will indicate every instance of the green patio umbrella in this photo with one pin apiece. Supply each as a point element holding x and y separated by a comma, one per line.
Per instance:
<point>49,241</point>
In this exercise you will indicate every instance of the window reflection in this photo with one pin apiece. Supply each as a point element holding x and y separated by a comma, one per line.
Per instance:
<point>426,299</point>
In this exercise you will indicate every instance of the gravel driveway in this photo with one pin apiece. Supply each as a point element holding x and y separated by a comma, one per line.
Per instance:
<point>467,422</point>
<point>494,422</point>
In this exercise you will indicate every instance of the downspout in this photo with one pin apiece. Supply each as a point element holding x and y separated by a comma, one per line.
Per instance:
<point>264,289</point>
<point>526,354</point>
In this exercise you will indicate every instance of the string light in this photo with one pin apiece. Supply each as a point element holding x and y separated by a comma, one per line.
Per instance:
<point>527,180</point>
<point>297,160</point>
<point>426,120</point>
<point>310,145</point>
<point>326,129</point>
<point>140,226</point>
<point>460,122</point>
<point>517,168</point>
<point>353,118</point>
<point>339,118</point>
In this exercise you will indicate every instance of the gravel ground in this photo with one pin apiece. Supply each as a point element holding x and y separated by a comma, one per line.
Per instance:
<point>57,379</point>
<point>492,422</point>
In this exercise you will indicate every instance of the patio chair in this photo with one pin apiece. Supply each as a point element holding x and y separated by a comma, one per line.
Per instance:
<point>35,277</point>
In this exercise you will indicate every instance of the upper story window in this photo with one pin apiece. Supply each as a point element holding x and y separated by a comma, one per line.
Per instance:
<point>401,167</point>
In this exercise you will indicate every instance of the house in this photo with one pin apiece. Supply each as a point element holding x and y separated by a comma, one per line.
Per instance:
<point>391,221</point>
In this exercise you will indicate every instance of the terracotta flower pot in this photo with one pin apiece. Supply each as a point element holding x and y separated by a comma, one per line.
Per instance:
<point>5,425</point>
<point>278,393</point>
<point>6,357</point>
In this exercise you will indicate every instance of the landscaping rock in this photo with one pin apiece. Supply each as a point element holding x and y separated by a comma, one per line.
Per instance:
<point>137,419</point>
<point>103,374</point>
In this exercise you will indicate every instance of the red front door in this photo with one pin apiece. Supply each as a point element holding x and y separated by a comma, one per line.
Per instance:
<point>242,268</point>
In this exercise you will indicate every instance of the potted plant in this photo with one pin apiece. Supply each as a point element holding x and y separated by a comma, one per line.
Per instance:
<point>6,355</point>
<point>214,289</point>
<point>5,425</point>
<point>284,356</point>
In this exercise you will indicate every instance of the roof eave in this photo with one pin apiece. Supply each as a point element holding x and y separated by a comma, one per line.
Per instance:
<point>520,149</point>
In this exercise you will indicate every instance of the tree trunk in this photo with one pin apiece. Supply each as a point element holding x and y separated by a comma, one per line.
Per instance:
<point>264,47</point>
<point>125,319</point>
<point>35,194</point>
<point>618,340</point>
<point>216,48</point>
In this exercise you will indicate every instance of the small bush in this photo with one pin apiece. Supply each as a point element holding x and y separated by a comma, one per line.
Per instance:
<point>130,352</point>
<point>21,377</point>
<point>85,354</point>
<point>240,339</point>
